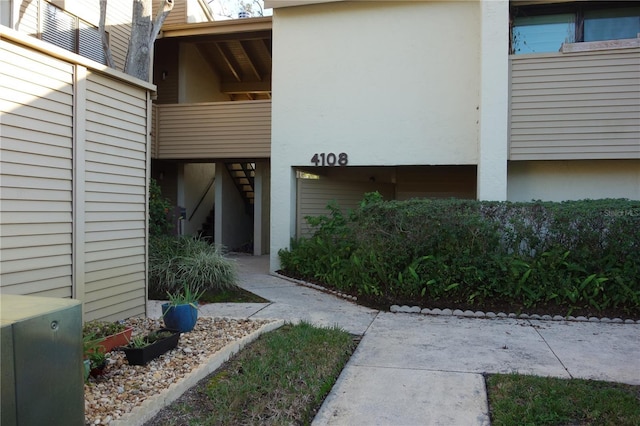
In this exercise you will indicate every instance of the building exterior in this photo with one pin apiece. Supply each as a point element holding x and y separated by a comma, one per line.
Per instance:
<point>434,99</point>
<point>212,129</point>
<point>74,159</point>
<point>257,123</point>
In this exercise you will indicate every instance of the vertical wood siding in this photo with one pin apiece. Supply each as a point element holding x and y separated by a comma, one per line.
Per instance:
<point>575,106</point>
<point>115,198</point>
<point>36,95</point>
<point>214,130</point>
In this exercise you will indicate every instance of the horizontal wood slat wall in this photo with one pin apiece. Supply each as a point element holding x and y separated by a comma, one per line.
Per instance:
<point>115,199</point>
<point>214,130</point>
<point>575,106</point>
<point>73,177</point>
<point>36,100</point>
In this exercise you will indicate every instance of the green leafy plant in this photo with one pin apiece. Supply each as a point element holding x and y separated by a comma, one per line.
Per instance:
<point>175,260</point>
<point>100,329</point>
<point>141,341</point>
<point>572,254</point>
<point>92,350</point>
<point>159,211</point>
<point>189,295</point>
<point>138,341</point>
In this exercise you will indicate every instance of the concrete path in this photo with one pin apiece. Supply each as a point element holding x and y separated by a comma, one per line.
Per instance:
<point>413,369</point>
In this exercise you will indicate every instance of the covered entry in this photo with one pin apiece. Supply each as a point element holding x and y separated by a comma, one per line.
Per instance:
<point>317,186</point>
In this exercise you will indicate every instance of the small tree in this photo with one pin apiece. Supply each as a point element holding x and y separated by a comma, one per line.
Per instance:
<point>144,32</point>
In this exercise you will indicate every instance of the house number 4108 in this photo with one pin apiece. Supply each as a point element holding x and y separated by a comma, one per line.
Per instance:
<point>330,159</point>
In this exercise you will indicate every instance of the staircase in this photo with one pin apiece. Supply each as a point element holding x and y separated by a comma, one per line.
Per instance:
<point>243,175</point>
<point>206,231</point>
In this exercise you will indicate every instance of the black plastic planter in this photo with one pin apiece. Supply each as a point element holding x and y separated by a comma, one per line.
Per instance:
<point>141,356</point>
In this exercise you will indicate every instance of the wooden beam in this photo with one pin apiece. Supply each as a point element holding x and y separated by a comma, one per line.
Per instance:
<point>228,60</point>
<point>231,26</point>
<point>263,86</point>
<point>252,64</point>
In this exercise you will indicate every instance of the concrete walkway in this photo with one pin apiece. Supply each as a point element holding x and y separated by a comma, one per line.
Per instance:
<point>413,369</point>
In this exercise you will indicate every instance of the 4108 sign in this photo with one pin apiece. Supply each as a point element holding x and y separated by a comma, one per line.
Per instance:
<point>330,159</point>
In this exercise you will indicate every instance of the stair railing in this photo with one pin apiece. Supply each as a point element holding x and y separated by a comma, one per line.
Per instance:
<point>204,194</point>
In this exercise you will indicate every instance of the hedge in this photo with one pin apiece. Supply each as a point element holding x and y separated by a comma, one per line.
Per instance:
<point>573,253</point>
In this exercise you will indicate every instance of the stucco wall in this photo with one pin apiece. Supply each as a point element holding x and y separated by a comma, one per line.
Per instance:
<point>233,225</point>
<point>573,180</point>
<point>387,83</point>
<point>197,177</point>
<point>198,81</point>
<point>361,77</point>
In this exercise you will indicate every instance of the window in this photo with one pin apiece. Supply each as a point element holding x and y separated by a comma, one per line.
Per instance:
<point>544,33</point>
<point>537,29</point>
<point>71,33</point>
<point>611,24</point>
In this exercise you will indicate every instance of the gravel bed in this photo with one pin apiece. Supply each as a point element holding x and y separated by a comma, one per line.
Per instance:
<point>123,387</point>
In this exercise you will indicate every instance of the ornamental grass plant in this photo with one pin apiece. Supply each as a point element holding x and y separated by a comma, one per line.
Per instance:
<point>177,260</point>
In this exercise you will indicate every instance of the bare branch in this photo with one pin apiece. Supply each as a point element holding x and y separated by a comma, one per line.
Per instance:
<point>160,17</point>
<point>103,34</point>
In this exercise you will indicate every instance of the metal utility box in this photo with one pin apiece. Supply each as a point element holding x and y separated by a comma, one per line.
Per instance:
<point>41,365</point>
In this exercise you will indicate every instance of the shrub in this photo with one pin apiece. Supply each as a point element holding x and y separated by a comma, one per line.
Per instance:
<point>159,208</point>
<point>575,253</point>
<point>177,260</point>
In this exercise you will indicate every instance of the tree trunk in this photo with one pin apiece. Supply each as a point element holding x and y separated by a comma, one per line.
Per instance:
<point>143,34</point>
<point>103,34</point>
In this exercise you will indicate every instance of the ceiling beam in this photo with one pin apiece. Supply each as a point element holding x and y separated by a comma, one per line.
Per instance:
<point>250,61</point>
<point>263,86</point>
<point>227,57</point>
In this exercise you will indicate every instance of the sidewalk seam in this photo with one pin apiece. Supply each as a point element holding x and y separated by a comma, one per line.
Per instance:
<point>551,349</point>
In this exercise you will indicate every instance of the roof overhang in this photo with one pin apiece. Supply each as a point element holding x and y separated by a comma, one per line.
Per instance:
<point>231,26</point>
<point>287,3</point>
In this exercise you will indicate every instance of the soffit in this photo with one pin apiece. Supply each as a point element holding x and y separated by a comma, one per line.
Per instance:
<point>240,51</point>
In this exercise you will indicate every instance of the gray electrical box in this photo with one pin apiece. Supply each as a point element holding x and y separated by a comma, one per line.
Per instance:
<point>41,361</point>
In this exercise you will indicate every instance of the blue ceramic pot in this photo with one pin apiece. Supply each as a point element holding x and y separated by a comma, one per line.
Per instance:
<point>180,317</point>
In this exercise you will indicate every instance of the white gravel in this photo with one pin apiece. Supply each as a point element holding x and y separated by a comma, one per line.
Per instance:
<point>125,386</point>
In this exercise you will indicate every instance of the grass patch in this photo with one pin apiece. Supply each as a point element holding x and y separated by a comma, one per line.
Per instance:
<point>529,400</point>
<point>280,379</point>
<point>232,295</point>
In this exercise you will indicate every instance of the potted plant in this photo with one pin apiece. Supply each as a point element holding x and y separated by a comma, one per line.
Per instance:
<point>94,358</point>
<point>142,349</point>
<point>181,312</point>
<point>97,362</point>
<point>108,335</point>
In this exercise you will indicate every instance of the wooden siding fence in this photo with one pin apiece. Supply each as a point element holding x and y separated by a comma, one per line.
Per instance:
<point>213,130</point>
<point>73,179</point>
<point>568,106</point>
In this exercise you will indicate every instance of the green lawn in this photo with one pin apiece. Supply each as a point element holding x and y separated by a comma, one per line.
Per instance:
<point>280,379</point>
<point>528,400</point>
